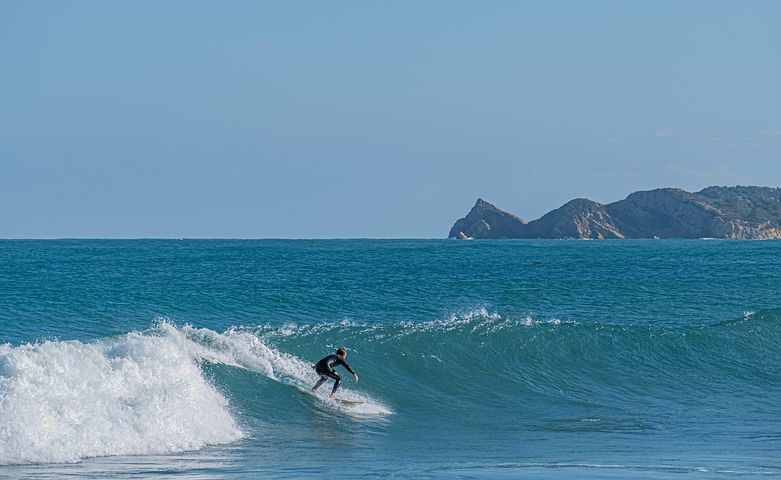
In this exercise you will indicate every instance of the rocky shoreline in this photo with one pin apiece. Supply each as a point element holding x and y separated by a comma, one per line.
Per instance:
<point>714,212</point>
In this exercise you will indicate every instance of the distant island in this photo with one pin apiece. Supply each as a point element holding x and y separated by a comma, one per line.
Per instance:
<point>714,212</point>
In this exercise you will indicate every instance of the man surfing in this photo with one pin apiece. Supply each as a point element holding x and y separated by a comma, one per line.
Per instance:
<point>325,368</point>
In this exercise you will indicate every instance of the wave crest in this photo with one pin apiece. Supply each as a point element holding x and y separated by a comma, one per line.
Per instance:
<point>140,393</point>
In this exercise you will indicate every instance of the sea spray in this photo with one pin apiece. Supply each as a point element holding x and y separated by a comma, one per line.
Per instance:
<point>245,349</point>
<point>135,394</point>
<point>139,393</point>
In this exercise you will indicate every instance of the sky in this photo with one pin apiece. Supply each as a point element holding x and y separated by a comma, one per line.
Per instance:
<point>311,119</point>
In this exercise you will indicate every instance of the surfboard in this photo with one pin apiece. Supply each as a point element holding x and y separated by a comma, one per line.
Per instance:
<point>342,401</point>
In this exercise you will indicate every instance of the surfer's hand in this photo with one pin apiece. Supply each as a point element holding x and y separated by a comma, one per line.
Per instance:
<point>356,378</point>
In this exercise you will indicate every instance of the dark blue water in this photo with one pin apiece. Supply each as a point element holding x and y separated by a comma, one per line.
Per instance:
<point>494,359</point>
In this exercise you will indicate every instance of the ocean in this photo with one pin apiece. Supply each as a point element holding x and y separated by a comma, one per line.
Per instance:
<point>477,359</point>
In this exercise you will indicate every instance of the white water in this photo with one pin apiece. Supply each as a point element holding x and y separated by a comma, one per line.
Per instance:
<point>140,393</point>
<point>136,394</point>
<point>244,349</point>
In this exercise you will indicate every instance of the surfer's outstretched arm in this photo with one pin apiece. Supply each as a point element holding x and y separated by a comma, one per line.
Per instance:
<point>344,364</point>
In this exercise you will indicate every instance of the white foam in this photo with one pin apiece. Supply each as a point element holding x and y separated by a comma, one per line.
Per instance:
<point>478,321</point>
<point>478,317</point>
<point>246,350</point>
<point>140,393</point>
<point>135,394</point>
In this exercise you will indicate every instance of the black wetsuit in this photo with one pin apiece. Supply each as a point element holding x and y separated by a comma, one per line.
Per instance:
<point>325,368</point>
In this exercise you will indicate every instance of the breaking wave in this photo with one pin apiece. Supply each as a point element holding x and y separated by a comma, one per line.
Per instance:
<point>153,392</point>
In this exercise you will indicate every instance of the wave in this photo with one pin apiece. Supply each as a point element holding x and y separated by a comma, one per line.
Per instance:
<point>140,393</point>
<point>154,391</point>
<point>482,355</point>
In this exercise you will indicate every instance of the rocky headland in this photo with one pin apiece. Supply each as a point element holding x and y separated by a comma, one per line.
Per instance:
<point>714,212</point>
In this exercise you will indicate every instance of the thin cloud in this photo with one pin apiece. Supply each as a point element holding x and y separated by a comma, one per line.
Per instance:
<point>712,136</point>
<point>709,175</point>
<point>771,134</point>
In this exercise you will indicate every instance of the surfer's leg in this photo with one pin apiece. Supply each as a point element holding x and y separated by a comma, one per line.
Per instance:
<point>322,380</point>
<point>338,379</point>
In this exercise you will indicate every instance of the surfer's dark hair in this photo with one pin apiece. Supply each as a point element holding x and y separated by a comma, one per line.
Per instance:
<point>341,351</point>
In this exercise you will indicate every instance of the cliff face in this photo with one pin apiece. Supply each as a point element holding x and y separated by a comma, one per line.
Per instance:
<point>714,212</point>
<point>663,213</point>
<point>487,221</point>
<point>745,212</point>
<point>579,218</point>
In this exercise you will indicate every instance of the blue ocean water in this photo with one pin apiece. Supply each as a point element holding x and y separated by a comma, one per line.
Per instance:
<point>477,359</point>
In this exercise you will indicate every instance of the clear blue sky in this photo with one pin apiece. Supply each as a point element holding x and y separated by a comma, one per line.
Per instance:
<point>371,119</point>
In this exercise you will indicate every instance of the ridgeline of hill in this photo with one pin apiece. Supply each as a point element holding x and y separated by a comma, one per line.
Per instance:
<point>714,212</point>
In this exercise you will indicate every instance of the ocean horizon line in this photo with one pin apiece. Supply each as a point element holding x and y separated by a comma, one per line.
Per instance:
<point>492,240</point>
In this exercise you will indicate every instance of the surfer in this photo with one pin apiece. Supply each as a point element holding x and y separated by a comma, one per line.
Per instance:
<point>325,368</point>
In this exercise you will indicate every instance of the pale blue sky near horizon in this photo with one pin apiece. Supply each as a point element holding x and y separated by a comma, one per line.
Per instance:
<point>248,119</point>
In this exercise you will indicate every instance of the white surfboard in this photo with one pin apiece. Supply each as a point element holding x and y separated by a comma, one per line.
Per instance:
<point>342,401</point>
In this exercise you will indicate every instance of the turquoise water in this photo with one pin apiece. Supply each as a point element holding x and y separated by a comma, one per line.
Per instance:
<point>481,359</point>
